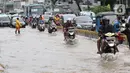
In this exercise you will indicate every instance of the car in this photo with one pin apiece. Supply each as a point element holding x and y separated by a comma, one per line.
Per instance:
<point>64,17</point>
<point>84,22</point>
<point>13,22</point>
<point>4,20</point>
<point>88,13</point>
<point>46,18</point>
<point>48,13</point>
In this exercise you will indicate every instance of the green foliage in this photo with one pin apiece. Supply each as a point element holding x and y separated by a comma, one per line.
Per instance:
<point>98,9</point>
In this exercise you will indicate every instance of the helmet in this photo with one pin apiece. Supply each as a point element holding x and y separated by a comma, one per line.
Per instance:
<point>127,25</point>
<point>57,15</point>
<point>105,21</point>
<point>69,20</point>
<point>51,18</point>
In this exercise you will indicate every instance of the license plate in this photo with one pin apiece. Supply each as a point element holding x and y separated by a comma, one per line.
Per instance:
<point>71,37</point>
<point>109,38</point>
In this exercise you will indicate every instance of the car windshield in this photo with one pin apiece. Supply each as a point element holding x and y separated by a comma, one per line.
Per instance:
<point>69,16</point>
<point>46,16</point>
<point>48,13</point>
<point>4,19</point>
<point>112,18</point>
<point>83,19</point>
<point>37,11</point>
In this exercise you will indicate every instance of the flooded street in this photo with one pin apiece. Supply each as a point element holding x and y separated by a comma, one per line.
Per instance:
<point>39,52</point>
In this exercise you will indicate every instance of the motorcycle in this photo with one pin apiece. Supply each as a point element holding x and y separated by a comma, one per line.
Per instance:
<point>41,26</point>
<point>57,23</point>
<point>34,24</point>
<point>110,45</point>
<point>70,35</point>
<point>52,28</point>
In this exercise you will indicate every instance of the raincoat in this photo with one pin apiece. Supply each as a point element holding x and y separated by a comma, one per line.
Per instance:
<point>57,18</point>
<point>18,24</point>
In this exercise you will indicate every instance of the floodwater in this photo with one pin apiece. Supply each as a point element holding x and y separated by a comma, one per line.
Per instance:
<point>39,52</point>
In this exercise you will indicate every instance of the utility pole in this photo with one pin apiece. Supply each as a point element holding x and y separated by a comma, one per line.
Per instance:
<point>4,5</point>
<point>126,3</point>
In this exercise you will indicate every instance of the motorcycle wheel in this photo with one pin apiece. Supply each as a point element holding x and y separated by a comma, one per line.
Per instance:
<point>49,30</point>
<point>42,29</point>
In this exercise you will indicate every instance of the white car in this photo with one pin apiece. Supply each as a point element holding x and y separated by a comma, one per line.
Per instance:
<point>84,22</point>
<point>66,16</point>
<point>13,22</point>
<point>88,13</point>
<point>46,18</point>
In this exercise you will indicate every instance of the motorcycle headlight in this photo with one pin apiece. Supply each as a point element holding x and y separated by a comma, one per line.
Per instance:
<point>71,33</point>
<point>111,44</point>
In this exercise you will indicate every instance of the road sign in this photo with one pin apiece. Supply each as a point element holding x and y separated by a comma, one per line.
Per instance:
<point>120,9</point>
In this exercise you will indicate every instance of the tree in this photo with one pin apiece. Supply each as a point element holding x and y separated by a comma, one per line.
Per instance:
<point>98,9</point>
<point>106,2</point>
<point>78,4</point>
<point>53,3</point>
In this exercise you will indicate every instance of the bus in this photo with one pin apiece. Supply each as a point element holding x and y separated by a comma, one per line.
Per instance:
<point>34,10</point>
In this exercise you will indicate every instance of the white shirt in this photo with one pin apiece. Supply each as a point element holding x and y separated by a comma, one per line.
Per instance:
<point>128,19</point>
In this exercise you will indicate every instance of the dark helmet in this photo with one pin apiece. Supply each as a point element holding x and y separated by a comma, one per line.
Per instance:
<point>17,18</point>
<point>69,20</point>
<point>127,25</point>
<point>51,18</point>
<point>105,21</point>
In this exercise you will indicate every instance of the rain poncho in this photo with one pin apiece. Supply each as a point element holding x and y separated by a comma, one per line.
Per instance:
<point>18,24</point>
<point>56,18</point>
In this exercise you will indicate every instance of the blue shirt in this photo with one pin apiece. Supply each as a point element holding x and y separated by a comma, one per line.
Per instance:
<point>116,26</point>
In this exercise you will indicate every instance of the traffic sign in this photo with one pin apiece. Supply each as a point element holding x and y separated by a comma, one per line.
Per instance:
<point>120,9</point>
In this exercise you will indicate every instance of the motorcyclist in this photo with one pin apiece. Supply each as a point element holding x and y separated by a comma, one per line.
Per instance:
<point>117,23</point>
<point>57,19</point>
<point>34,20</point>
<point>30,20</point>
<point>105,28</point>
<point>127,33</point>
<point>26,20</point>
<point>66,26</point>
<point>41,19</point>
<point>51,22</point>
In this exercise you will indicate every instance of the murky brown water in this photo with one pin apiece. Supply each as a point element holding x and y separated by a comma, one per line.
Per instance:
<point>35,52</point>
